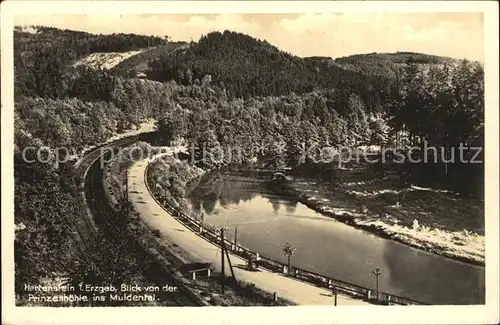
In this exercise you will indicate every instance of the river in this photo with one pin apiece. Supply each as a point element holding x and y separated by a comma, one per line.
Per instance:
<point>265,222</point>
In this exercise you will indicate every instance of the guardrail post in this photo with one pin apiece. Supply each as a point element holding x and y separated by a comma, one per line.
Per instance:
<point>333,284</point>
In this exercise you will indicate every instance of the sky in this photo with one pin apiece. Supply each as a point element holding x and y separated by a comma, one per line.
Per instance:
<point>457,35</point>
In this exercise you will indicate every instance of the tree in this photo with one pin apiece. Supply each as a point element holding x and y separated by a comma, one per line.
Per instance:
<point>294,150</point>
<point>357,120</point>
<point>274,147</point>
<point>44,245</point>
<point>379,130</point>
<point>289,251</point>
<point>377,272</point>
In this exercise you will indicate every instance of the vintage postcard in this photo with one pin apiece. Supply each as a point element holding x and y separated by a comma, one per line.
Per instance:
<point>294,162</point>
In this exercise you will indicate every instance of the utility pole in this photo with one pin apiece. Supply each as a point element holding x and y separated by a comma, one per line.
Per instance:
<point>335,291</point>
<point>377,272</point>
<point>229,262</point>
<point>236,238</point>
<point>125,194</point>
<point>223,274</point>
<point>225,253</point>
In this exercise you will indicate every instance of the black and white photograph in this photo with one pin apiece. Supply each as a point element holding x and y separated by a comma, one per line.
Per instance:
<point>250,159</point>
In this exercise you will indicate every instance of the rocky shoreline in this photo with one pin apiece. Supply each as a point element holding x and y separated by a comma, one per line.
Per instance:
<point>379,228</point>
<point>427,241</point>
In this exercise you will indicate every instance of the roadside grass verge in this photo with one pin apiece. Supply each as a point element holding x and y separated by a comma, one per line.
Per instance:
<point>207,289</point>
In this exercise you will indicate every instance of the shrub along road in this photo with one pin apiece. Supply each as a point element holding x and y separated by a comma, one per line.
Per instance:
<point>200,249</point>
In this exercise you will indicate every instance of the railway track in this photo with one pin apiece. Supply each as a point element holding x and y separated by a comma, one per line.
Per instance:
<point>156,270</point>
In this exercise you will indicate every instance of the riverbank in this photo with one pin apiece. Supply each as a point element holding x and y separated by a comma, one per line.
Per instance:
<point>436,221</point>
<point>170,257</point>
<point>390,222</point>
<point>200,249</point>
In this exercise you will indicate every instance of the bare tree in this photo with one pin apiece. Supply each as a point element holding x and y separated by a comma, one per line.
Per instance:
<point>289,250</point>
<point>377,272</point>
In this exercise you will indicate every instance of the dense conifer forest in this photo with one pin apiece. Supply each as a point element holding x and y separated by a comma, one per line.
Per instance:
<point>227,90</point>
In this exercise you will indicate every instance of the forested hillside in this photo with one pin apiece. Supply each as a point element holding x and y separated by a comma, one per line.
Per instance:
<point>41,58</point>
<point>389,64</point>
<point>230,91</point>
<point>247,67</point>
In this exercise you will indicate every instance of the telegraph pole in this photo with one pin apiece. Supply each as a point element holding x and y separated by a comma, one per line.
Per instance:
<point>125,195</point>
<point>223,274</point>
<point>236,238</point>
<point>335,292</point>
<point>229,262</point>
<point>377,272</point>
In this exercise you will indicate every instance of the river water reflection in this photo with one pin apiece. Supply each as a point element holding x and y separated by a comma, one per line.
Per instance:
<point>266,222</point>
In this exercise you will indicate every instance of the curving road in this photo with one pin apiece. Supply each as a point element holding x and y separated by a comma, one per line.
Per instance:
<point>89,175</point>
<point>156,217</point>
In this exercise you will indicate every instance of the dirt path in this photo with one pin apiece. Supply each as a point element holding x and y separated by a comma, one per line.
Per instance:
<point>155,217</point>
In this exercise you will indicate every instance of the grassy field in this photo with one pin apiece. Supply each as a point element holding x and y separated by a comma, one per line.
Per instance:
<point>108,60</point>
<point>138,62</point>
